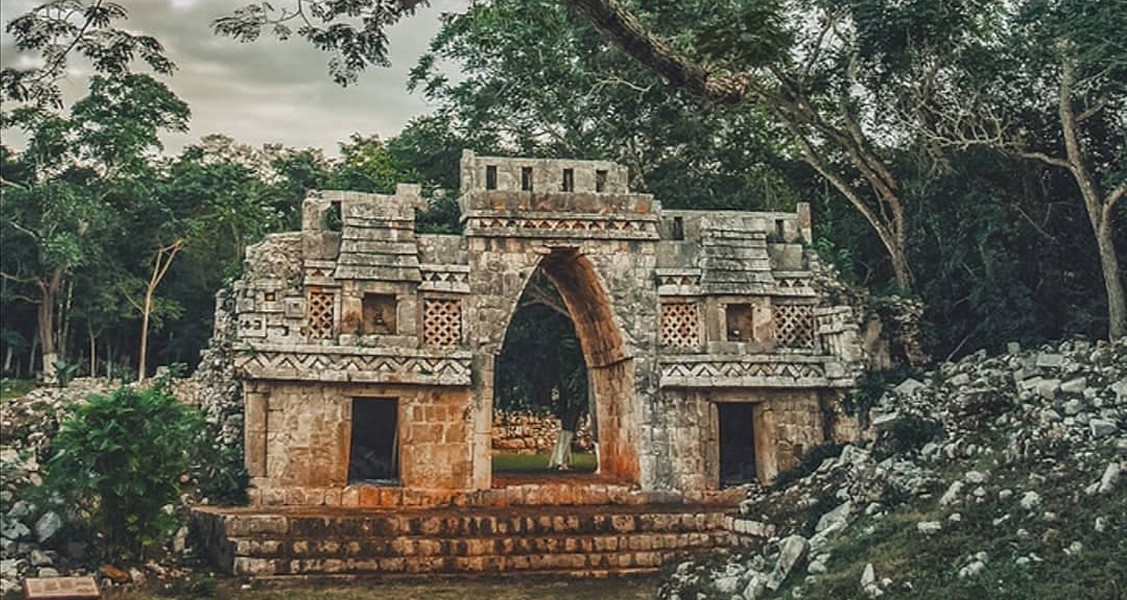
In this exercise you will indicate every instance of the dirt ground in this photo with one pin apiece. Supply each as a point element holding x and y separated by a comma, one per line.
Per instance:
<point>517,588</point>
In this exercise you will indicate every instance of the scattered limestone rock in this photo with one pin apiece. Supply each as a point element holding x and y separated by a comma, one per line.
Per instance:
<point>791,551</point>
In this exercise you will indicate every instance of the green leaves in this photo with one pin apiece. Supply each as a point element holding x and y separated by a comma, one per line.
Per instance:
<point>58,28</point>
<point>119,458</point>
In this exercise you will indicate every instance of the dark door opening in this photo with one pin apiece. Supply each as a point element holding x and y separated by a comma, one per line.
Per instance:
<point>374,453</point>
<point>737,443</point>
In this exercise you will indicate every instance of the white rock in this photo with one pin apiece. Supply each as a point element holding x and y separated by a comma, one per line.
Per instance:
<point>39,558</point>
<point>1110,477</point>
<point>47,526</point>
<point>952,494</point>
<point>929,527</point>
<point>791,551</point>
<point>48,572</point>
<point>756,588</point>
<point>835,520</point>
<point>868,576</point>
<point>1049,360</point>
<point>972,569</point>
<point>975,476</point>
<point>908,387</point>
<point>1030,500</point>
<point>1073,407</point>
<point>1074,386</point>
<point>955,517</point>
<point>1102,427</point>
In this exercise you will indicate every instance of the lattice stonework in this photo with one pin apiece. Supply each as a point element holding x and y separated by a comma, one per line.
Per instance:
<point>442,322</point>
<point>319,314</point>
<point>794,325</point>
<point>680,325</point>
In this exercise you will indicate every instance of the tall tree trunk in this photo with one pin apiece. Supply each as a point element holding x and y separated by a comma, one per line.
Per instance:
<point>162,261</point>
<point>45,317</point>
<point>1099,208</point>
<point>93,350</point>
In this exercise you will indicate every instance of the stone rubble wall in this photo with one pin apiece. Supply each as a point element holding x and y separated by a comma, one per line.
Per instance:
<point>532,433</point>
<point>1020,441</point>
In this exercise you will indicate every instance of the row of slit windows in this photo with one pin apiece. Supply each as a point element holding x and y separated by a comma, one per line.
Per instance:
<point>567,179</point>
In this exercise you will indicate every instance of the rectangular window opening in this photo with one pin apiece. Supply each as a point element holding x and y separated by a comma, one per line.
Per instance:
<point>374,449</point>
<point>737,443</point>
<point>739,322</point>
<point>568,184</point>
<point>600,180</point>
<point>526,179</point>
<point>379,314</point>
<point>780,230</point>
<point>678,228</point>
<point>491,177</point>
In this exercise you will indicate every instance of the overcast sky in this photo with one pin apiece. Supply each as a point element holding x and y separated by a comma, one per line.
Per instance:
<point>267,91</point>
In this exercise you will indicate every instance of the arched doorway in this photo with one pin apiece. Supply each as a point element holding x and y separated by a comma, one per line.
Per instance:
<point>610,368</point>
<point>541,402</point>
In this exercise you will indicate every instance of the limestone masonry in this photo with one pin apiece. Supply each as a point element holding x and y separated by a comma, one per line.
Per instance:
<point>367,350</point>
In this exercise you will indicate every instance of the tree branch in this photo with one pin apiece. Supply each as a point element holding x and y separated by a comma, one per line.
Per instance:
<point>626,32</point>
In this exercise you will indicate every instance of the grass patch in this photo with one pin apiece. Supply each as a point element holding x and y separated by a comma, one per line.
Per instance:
<point>11,389</point>
<point>581,462</point>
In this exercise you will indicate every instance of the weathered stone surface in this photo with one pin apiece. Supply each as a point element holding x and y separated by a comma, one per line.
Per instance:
<point>792,550</point>
<point>676,311</point>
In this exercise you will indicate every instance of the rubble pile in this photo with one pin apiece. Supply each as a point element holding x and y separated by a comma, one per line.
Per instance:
<point>981,474</point>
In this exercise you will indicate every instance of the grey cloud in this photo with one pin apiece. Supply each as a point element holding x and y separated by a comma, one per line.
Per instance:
<point>271,91</point>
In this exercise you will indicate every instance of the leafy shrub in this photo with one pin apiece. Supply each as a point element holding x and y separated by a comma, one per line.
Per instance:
<point>907,435</point>
<point>118,463</point>
<point>809,463</point>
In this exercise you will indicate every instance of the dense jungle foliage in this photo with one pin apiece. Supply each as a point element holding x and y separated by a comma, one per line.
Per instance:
<point>972,153</point>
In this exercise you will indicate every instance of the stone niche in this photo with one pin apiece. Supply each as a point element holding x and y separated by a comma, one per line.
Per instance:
<point>367,351</point>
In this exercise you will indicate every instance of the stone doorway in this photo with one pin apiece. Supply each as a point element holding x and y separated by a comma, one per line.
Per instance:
<point>373,456</point>
<point>541,394</point>
<point>610,369</point>
<point>736,425</point>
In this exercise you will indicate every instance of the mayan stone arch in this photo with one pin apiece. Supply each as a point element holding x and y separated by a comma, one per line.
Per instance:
<point>609,360</point>
<point>367,350</point>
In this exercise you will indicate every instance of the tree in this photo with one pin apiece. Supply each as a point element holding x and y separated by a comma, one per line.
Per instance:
<point>1058,67</point>
<point>537,79</point>
<point>57,28</point>
<point>75,170</point>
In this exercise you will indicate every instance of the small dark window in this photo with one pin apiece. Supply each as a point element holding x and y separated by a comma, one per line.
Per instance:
<point>526,179</point>
<point>738,318</point>
<point>737,443</point>
<point>268,296</point>
<point>374,450</point>
<point>379,314</point>
<point>678,228</point>
<point>780,230</point>
<point>568,180</point>
<point>331,219</point>
<point>600,181</point>
<point>491,177</point>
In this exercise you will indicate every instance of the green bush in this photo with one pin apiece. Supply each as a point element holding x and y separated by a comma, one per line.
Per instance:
<point>118,463</point>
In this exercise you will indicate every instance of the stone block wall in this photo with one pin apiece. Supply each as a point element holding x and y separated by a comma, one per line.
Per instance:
<point>298,436</point>
<point>532,433</point>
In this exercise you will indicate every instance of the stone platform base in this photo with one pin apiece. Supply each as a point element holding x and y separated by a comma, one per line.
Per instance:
<point>556,540</point>
<point>566,489</point>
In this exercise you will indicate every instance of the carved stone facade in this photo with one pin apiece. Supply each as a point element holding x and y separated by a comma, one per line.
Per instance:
<point>679,314</point>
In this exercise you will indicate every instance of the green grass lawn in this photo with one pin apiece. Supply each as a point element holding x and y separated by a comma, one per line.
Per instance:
<point>581,462</point>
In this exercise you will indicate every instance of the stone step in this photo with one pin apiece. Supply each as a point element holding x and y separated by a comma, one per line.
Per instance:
<point>562,539</point>
<point>536,564</point>
<point>384,547</point>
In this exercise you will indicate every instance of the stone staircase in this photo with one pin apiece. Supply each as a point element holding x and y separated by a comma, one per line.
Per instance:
<point>560,540</point>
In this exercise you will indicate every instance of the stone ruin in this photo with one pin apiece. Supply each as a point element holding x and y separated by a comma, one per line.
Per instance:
<point>367,350</point>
